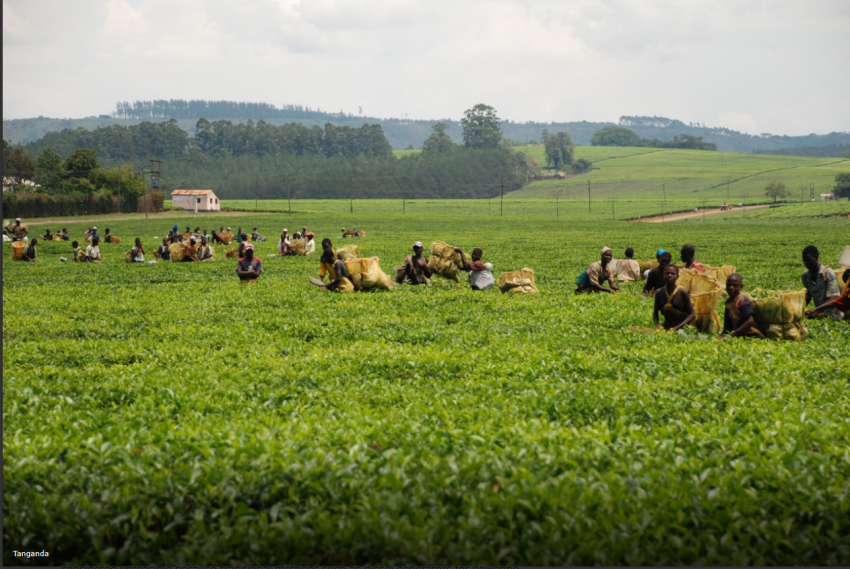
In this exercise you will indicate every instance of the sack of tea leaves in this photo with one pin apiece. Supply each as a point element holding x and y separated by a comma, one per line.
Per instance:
<point>719,273</point>
<point>782,315</point>
<point>297,247</point>
<point>519,282</point>
<point>367,274</point>
<point>646,265</point>
<point>348,252</point>
<point>57,238</point>
<point>705,293</point>
<point>128,256</point>
<point>231,253</point>
<point>177,251</point>
<point>227,237</point>
<point>444,261</point>
<point>18,250</point>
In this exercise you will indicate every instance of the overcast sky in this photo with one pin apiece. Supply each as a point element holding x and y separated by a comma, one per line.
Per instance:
<point>757,66</point>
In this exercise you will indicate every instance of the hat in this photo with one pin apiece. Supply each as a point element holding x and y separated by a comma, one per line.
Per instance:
<point>175,228</point>
<point>94,227</point>
<point>844,262</point>
<point>192,239</point>
<point>286,230</point>
<point>418,244</point>
<point>660,252</point>
<point>255,228</point>
<point>228,228</point>
<point>604,249</point>
<point>17,219</point>
<point>311,234</point>
<point>248,247</point>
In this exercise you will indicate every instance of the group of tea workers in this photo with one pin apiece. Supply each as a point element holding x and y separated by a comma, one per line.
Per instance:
<point>671,301</point>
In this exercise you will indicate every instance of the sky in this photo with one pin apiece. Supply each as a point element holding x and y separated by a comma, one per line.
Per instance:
<point>758,66</point>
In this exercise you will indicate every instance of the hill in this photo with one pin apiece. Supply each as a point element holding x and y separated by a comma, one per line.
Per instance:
<point>402,133</point>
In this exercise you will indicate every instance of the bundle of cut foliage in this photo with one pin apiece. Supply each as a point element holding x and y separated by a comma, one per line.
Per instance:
<point>519,282</point>
<point>351,233</point>
<point>706,293</point>
<point>57,238</point>
<point>781,315</point>
<point>231,253</point>
<point>227,237</point>
<point>177,251</point>
<point>113,239</point>
<point>128,256</point>
<point>444,261</point>
<point>366,274</point>
<point>348,252</point>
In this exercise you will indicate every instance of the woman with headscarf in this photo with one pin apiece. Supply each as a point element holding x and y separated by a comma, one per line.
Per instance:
<point>597,273</point>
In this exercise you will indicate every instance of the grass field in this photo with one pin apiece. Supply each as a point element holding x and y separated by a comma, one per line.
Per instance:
<point>164,414</point>
<point>645,181</point>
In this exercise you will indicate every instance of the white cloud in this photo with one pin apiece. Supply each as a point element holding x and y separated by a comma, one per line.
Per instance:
<point>762,66</point>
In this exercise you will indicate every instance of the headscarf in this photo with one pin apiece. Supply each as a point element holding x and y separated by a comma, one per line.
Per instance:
<point>604,249</point>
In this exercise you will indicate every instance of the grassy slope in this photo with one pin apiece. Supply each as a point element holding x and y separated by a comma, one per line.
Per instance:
<point>218,424</point>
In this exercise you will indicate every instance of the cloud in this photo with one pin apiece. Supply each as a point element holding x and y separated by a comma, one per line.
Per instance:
<point>761,65</point>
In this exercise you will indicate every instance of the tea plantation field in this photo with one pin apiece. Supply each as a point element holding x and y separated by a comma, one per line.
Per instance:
<point>164,414</point>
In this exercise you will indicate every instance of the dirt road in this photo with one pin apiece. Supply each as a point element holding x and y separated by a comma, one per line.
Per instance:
<point>139,216</point>
<point>681,216</point>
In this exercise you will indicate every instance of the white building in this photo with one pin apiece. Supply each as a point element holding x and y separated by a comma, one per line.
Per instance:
<point>205,200</point>
<point>827,197</point>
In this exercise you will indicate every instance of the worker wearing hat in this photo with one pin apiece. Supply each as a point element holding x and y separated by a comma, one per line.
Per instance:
<point>657,258</point>
<point>309,243</point>
<point>18,231</point>
<point>415,268</point>
<point>592,279</point>
<point>249,268</point>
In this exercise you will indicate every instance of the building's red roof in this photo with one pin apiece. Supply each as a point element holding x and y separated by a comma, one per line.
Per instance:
<point>191,192</point>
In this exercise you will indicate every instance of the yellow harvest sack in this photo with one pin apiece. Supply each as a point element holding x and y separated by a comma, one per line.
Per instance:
<point>626,270</point>
<point>444,261</point>
<point>349,252</point>
<point>782,315</point>
<point>231,253</point>
<point>226,236</point>
<point>18,250</point>
<point>57,238</point>
<point>297,247</point>
<point>519,282</point>
<point>128,256</point>
<point>177,251</point>
<point>705,293</point>
<point>719,273</point>
<point>646,264</point>
<point>367,274</point>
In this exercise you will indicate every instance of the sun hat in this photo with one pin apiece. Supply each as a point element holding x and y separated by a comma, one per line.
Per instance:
<point>311,234</point>
<point>228,228</point>
<point>247,247</point>
<point>604,249</point>
<point>418,244</point>
<point>94,227</point>
<point>17,219</point>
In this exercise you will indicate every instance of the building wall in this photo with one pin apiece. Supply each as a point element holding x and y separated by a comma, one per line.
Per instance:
<point>209,202</point>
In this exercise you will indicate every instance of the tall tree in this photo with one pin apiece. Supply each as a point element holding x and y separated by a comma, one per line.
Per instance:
<point>18,164</point>
<point>439,141</point>
<point>481,127</point>
<point>776,189</point>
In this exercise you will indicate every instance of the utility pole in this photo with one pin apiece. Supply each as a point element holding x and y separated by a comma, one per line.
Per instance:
<point>727,190</point>
<point>289,195</point>
<point>557,195</point>
<point>502,198</point>
<point>588,196</point>
<point>664,191</point>
<point>612,209</point>
<point>350,194</point>
<point>703,211</point>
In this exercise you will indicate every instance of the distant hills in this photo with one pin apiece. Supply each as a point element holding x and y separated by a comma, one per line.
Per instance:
<point>401,132</point>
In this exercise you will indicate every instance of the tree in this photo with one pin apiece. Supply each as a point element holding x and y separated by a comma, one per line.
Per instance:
<point>439,141</point>
<point>82,161</point>
<point>559,148</point>
<point>776,189</point>
<point>614,136</point>
<point>18,164</point>
<point>481,127</point>
<point>582,165</point>
<point>842,185</point>
<point>49,167</point>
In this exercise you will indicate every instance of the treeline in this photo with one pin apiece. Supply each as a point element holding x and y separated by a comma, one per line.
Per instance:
<point>166,140</point>
<point>180,109</point>
<point>457,173</point>
<point>619,136</point>
<point>830,151</point>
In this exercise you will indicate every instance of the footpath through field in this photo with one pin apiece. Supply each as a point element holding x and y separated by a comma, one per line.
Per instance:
<point>679,217</point>
<point>137,216</point>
